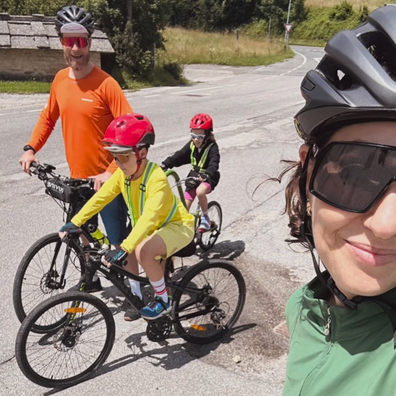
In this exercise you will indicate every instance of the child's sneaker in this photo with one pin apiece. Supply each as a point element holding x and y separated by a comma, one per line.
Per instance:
<point>156,308</point>
<point>204,224</point>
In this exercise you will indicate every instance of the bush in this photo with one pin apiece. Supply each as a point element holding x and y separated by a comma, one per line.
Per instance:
<point>258,28</point>
<point>320,25</point>
<point>174,69</point>
<point>341,12</point>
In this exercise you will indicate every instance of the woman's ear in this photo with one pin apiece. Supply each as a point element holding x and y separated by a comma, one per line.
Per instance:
<point>303,153</point>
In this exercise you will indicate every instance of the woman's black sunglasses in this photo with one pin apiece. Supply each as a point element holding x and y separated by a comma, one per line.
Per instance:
<point>352,175</point>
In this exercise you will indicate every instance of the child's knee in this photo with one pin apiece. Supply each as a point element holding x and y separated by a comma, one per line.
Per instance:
<point>201,191</point>
<point>143,252</point>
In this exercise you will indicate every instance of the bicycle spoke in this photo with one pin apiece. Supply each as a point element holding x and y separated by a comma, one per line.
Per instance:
<point>36,280</point>
<point>211,301</point>
<point>57,356</point>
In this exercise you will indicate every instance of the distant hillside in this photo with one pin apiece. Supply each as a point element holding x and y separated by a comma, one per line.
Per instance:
<point>371,4</point>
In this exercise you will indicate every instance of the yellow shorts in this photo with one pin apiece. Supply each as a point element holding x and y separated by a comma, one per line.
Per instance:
<point>176,235</point>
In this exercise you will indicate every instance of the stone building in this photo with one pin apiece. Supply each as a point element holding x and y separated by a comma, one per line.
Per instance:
<point>30,48</point>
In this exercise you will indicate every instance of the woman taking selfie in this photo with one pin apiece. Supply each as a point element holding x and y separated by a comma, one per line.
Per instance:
<point>341,202</point>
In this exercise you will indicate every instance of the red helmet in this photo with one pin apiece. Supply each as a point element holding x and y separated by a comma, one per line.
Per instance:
<point>202,121</point>
<point>128,131</point>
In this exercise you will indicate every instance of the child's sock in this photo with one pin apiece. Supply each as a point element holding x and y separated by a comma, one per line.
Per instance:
<point>160,289</point>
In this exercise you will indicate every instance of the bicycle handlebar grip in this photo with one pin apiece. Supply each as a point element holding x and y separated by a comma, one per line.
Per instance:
<point>91,182</point>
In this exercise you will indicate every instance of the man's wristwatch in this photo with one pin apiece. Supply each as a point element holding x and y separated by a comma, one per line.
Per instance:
<point>29,147</point>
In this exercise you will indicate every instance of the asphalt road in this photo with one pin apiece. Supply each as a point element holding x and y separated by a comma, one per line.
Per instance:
<point>252,108</point>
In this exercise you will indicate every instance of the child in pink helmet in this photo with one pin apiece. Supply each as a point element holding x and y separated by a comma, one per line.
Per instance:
<point>202,152</point>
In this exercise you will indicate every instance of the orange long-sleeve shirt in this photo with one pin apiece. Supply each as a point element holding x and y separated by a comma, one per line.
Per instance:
<point>86,107</point>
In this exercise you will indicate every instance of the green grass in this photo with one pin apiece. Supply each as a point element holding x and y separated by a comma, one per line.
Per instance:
<point>191,46</point>
<point>185,47</point>
<point>357,4</point>
<point>24,87</point>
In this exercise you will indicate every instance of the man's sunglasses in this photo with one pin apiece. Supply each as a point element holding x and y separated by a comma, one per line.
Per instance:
<point>81,42</point>
<point>199,137</point>
<point>352,175</point>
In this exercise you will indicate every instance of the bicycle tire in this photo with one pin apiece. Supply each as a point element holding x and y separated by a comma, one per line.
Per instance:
<point>59,349</point>
<point>200,291</point>
<point>35,266</point>
<point>207,239</point>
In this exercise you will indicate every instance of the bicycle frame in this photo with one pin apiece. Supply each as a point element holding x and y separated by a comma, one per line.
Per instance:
<point>55,285</point>
<point>177,179</point>
<point>44,172</point>
<point>115,274</point>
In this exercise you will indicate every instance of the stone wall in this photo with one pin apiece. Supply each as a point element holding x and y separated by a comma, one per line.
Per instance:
<point>25,64</point>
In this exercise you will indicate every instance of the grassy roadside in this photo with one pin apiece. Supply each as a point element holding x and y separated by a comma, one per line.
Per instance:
<point>357,4</point>
<point>189,46</point>
<point>185,47</point>
<point>24,87</point>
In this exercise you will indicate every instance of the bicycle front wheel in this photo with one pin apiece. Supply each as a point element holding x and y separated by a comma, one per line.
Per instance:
<point>207,239</point>
<point>71,353</point>
<point>38,275</point>
<point>209,302</point>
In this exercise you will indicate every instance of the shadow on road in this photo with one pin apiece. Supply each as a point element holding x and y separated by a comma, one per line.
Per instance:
<point>200,351</point>
<point>167,356</point>
<point>227,250</point>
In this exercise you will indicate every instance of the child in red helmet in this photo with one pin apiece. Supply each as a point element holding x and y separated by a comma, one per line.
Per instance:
<point>203,153</point>
<point>161,224</point>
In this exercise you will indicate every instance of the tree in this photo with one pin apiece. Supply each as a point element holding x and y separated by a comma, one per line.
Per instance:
<point>133,41</point>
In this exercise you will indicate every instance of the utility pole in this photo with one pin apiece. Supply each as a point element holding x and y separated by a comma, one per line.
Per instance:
<point>287,22</point>
<point>129,13</point>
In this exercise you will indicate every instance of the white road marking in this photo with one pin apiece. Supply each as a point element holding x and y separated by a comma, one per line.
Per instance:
<point>194,90</point>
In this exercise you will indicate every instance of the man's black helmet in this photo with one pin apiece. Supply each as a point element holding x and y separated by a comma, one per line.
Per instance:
<point>74,14</point>
<point>355,80</point>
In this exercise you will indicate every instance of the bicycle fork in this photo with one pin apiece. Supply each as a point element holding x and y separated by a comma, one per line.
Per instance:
<point>50,278</point>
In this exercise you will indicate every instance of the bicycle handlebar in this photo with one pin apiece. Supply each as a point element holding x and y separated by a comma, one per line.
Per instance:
<point>46,171</point>
<point>182,181</point>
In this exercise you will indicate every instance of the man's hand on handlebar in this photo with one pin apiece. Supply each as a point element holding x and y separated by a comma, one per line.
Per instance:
<point>116,256</point>
<point>100,179</point>
<point>68,228</point>
<point>27,158</point>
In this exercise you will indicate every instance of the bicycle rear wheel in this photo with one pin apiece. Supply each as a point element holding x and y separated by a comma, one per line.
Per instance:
<point>39,272</point>
<point>209,302</point>
<point>71,353</point>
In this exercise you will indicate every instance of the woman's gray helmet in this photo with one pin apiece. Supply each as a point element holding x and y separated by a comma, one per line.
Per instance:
<point>355,80</point>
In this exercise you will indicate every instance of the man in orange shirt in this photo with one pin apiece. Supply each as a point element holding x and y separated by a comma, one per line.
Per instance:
<point>86,99</point>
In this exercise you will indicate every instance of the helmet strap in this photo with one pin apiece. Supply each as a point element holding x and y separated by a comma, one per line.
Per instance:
<point>138,161</point>
<point>307,236</point>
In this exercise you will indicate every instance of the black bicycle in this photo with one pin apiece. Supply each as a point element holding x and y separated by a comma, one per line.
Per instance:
<point>67,337</point>
<point>206,239</point>
<point>49,266</point>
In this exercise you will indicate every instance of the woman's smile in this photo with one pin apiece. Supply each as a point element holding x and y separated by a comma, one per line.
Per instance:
<point>370,255</point>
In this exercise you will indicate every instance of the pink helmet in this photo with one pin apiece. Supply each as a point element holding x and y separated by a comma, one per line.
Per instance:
<point>202,121</point>
<point>128,131</point>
